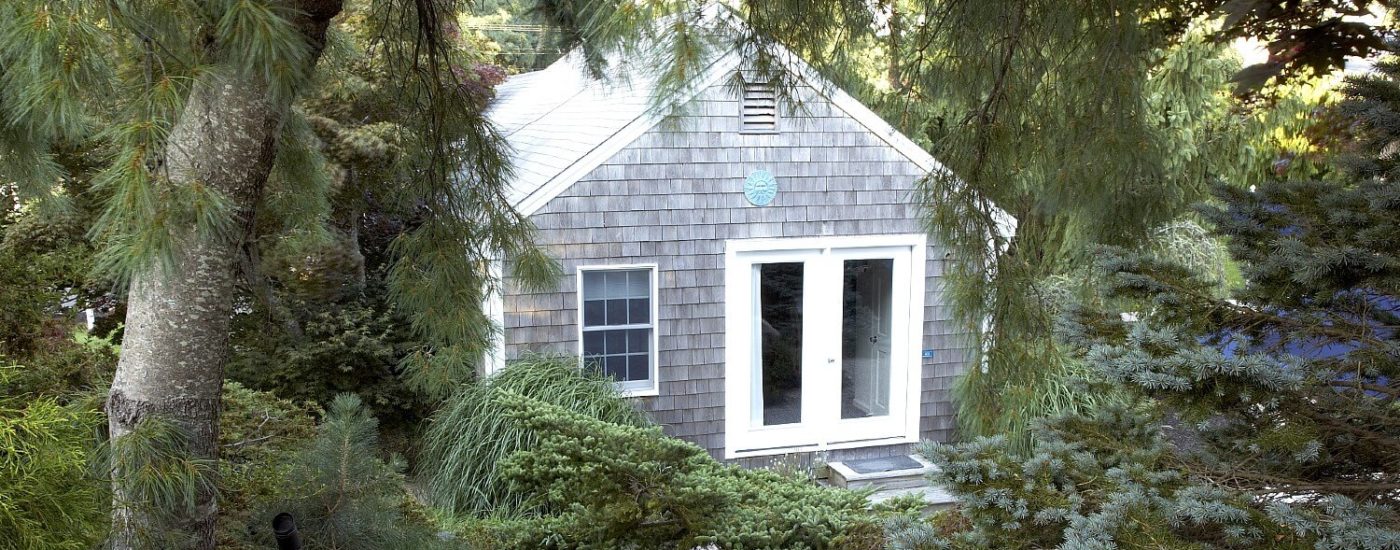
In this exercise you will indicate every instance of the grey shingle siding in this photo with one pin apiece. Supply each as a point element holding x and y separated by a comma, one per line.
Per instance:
<point>675,195</point>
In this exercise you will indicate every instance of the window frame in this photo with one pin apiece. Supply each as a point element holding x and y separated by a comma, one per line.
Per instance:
<point>627,388</point>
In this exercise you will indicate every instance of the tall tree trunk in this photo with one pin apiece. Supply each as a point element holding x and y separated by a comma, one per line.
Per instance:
<point>176,340</point>
<point>896,26</point>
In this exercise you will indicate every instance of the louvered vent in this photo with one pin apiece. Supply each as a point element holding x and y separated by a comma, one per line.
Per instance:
<point>760,108</point>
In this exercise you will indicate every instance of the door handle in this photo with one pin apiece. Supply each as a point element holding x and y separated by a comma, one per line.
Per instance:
<point>874,339</point>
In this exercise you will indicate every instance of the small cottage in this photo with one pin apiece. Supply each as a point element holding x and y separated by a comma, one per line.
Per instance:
<point>758,277</point>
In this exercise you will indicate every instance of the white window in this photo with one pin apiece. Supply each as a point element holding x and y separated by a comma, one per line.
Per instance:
<point>617,328</point>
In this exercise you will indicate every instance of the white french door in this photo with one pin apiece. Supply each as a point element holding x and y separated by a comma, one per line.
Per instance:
<point>822,342</point>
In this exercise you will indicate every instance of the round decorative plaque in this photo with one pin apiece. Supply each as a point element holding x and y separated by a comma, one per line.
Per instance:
<point>760,188</point>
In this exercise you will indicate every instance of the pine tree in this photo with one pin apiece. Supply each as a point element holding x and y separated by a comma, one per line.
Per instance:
<point>1269,418</point>
<point>1085,124</point>
<point>343,496</point>
<point>196,106</point>
<point>1295,377</point>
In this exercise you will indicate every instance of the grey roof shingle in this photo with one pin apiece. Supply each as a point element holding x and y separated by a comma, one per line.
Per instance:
<point>554,117</point>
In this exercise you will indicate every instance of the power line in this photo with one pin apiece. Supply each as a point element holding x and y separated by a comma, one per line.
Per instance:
<point>506,27</point>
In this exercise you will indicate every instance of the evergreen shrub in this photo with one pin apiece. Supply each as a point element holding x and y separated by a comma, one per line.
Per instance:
<point>48,496</point>
<point>342,494</point>
<point>260,438</point>
<point>349,345</point>
<point>606,485</point>
<point>471,435</point>
<point>1268,419</point>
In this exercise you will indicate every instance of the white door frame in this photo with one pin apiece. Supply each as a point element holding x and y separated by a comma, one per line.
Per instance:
<point>742,438</point>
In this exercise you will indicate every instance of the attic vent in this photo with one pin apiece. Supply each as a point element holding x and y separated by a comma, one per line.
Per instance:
<point>760,108</point>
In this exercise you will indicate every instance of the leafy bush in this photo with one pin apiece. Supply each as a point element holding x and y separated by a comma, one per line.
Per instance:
<point>69,366</point>
<point>342,495</point>
<point>471,435</point>
<point>48,498</point>
<point>607,485</point>
<point>44,260</point>
<point>57,502</point>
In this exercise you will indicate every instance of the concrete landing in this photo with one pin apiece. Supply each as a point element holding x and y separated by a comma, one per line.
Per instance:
<point>898,472</point>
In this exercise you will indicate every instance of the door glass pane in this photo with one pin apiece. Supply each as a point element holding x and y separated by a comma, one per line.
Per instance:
<point>865,337</point>
<point>778,328</point>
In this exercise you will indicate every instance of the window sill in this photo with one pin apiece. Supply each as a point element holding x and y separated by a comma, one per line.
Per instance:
<point>649,392</point>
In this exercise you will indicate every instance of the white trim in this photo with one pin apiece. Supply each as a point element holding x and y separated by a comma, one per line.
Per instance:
<point>495,308</point>
<point>849,433</point>
<point>652,362</point>
<point>836,241</point>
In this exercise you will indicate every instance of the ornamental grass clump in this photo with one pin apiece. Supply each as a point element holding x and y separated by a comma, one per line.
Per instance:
<point>471,435</point>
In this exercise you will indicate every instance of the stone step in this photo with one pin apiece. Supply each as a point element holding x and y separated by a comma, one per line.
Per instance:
<point>935,497</point>
<point>896,472</point>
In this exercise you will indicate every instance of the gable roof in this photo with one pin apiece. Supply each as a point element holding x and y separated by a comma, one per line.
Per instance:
<point>561,124</point>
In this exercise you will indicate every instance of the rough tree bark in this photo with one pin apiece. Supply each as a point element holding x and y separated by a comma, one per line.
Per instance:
<point>896,26</point>
<point>176,340</point>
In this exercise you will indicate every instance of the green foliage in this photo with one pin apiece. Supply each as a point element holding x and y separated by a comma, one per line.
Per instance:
<point>43,260</point>
<point>341,493</point>
<point>115,77</point>
<point>57,502</point>
<point>1268,418</point>
<point>48,498</point>
<point>259,438</point>
<point>1074,157</point>
<point>65,366</point>
<point>471,435</point>
<point>607,485</point>
<point>71,69</point>
<point>521,43</point>
<point>1100,481</point>
<point>159,477</point>
<point>348,345</point>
